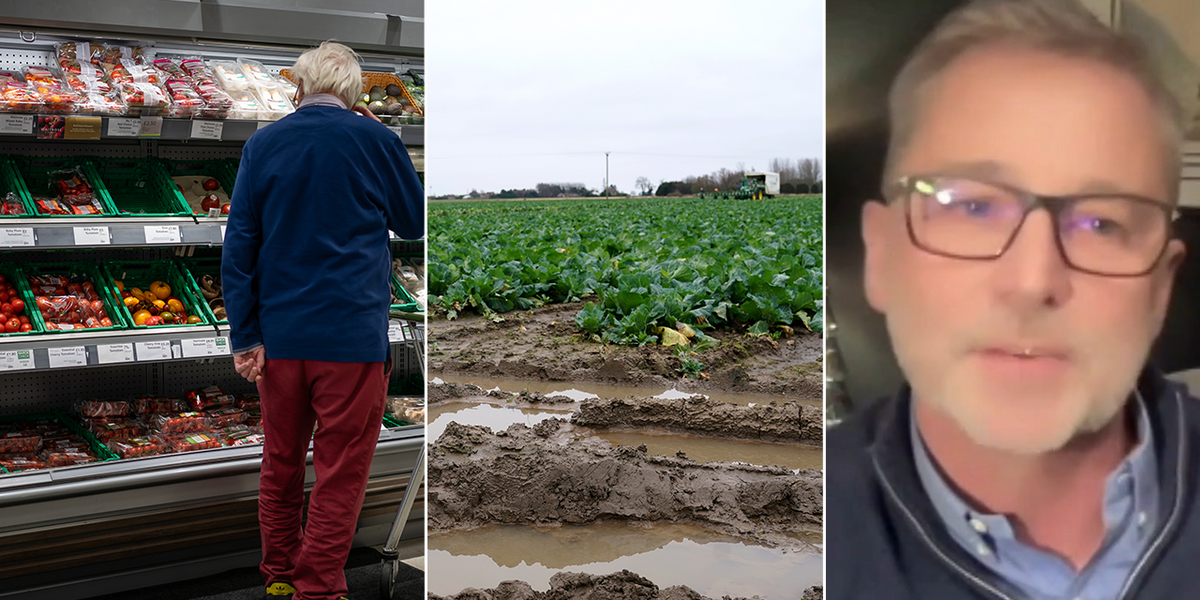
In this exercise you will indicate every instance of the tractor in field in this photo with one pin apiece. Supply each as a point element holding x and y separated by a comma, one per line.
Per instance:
<point>754,186</point>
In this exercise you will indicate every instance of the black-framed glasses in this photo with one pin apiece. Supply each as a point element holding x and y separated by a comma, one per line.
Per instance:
<point>1114,235</point>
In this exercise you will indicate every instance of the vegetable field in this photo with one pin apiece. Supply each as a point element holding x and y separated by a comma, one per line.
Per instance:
<point>654,270</point>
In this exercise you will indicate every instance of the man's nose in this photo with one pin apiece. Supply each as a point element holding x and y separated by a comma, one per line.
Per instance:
<point>1033,274</point>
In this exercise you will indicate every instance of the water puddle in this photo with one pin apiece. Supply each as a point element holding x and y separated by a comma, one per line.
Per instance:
<point>704,449</point>
<point>496,417</point>
<point>667,554</point>
<point>577,390</point>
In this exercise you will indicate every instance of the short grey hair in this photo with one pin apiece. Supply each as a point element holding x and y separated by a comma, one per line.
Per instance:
<point>330,68</point>
<point>1063,27</point>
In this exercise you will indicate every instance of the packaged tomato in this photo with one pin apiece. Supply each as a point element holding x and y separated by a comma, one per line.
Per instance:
<point>18,96</point>
<point>189,442</point>
<point>107,430</point>
<point>148,405</point>
<point>224,417</point>
<point>114,55</point>
<point>185,102</point>
<point>170,68</point>
<point>184,422</point>
<point>79,52</point>
<point>66,444</point>
<point>12,205</point>
<point>249,402</point>
<point>66,457</point>
<point>95,409</point>
<point>17,463</point>
<point>19,441</point>
<point>253,419</point>
<point>197,70</point>
<point>247,438</point>
<point>136,447</point>
<point>207,398</point>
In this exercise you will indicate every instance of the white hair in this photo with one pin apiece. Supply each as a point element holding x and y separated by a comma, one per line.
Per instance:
<point>330,68</point>
<point>1063,27</point>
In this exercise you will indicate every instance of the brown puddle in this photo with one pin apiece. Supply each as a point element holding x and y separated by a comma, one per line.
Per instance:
<point>703,449</point>
<point>667,554</point>
<point>576,390</point>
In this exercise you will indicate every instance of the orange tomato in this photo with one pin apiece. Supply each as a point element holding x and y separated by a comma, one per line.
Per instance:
<point>131,302</point>
<point>193,319</point>
<point>175,305</point>
<point>160,289</point>
<point>139,317</point>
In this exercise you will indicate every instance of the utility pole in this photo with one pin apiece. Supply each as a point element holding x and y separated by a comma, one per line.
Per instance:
<point>606,186</point>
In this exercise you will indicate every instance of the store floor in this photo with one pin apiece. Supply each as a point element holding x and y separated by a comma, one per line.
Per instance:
<point>362,577</point>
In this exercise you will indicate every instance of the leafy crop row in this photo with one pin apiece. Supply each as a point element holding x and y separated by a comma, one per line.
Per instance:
<point>649,263</point>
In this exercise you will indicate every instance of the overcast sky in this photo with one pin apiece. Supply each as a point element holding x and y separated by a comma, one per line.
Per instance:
<point>535,91</point>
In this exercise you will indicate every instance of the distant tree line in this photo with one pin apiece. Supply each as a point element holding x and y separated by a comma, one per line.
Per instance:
<point>796,176</point>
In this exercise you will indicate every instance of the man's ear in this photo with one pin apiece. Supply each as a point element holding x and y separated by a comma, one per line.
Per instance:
<point>1172,259</point>
<point>876,235</point>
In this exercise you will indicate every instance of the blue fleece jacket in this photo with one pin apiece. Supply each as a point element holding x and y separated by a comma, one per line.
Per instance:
<point>885,539</point>
<point>305,264</point>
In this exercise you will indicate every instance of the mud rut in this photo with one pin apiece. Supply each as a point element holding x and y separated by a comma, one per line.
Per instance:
<point>552,474</point>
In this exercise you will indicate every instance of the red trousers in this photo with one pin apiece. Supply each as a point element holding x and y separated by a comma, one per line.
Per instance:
<point>346,401</point>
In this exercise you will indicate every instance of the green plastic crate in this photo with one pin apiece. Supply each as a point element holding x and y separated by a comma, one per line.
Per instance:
<point>78,272</point>
<point>224,170</point>
<point>100,450</point>
<point>139,188</point>
<point>141,273</point>
<point>33,174</point>
<point>13,274</point>
<point>392,422</point>
<point>10,181</point>
<point>195,268</point>
<point>408,303</point>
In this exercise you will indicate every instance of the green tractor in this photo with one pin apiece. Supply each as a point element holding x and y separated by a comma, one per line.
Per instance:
<point>754,186</point>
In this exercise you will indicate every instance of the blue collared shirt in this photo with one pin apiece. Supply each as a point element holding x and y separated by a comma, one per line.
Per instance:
<point>1130,515</point>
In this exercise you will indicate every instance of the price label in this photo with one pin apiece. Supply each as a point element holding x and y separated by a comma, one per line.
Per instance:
<point>162,234</point>
<point>207,130</point>
<point>19,124</point>
<point>92,236</point>
<point>75,356</point>
<point>396,333</point>
<point>151,127</point>
<point>120,127</point>
<point>204,347</point>
<point>114,353</point>
<point>396,130</point>
<point>153,350</point>
<point>16,236</point>
<point>16,360</point>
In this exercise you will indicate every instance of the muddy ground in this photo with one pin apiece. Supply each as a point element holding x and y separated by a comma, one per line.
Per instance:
<point>552,474</point>
<point>545,344</point>
<point>580,586</point>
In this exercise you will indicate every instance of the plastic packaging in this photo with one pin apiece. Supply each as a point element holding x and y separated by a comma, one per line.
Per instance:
<point>185,102</point>
<point>115,54</point>
<point>224,417</point>
<point>67,457</point>
<point>77,53</point>
<point>249,402</point>
<point>247,106</point>
<point>274,101</point>
<point>197,70</point>
<point>69,302</point>
<point>255,72</point>
<point>184,422</point>
<point>149,405</point>
<point>242,437</point>
<point>204,399</point>
<point>229,74</point>
<point>96,409</point>
<point>107,430</point>
<point>55,94</point>
<point>190,442</point>
<point>136,447</point>
<point>11,205</point>
<point>17,463</point>
<point>70,193</point>
<point>289,88</point>
<point>19,441</point>
<point>16,95</point>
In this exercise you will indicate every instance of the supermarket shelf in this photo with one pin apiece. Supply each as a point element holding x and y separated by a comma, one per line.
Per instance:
<point>83,348</point>
<point>14,125</point>
<point>103,232</point>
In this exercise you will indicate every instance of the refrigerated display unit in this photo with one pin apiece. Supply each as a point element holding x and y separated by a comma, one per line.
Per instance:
<point>115,525</point>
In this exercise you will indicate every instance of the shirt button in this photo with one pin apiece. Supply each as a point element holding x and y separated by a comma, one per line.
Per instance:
<point>979,526</point>
<point>1141,519</point>
<point>983,550</point>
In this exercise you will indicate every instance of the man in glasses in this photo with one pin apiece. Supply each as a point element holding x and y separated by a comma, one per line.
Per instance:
<point>1022,255</point>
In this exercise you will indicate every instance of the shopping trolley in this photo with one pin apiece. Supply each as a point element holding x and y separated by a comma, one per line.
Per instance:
<point>414,336</point>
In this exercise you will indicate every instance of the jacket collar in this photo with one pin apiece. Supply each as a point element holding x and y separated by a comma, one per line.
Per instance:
<point>894,468</point>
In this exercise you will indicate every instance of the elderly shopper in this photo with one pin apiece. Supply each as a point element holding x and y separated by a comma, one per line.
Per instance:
<point>305,269</point>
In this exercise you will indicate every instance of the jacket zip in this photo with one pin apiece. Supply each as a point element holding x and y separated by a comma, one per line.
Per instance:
<point>1155,546</point>
<point>1176,509</point>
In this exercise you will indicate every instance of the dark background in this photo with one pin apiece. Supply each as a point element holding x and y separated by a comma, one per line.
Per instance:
<point>867,43</point>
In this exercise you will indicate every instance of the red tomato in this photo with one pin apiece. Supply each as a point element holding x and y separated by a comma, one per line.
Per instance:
<point>211,184</point>
<point>97,306</point>
<point>210,202</point>
<point>74,289</point>
<point>80,326</point>
<point>4,296</point>
<point>12,326</point>
<point>3,279</point>
<point>88,287</point>
<point>24,319</point>
<point>225,209</point>
<point>43,304</point>
<point>106,322</point>
<point>7,310</point>
<point>103,314</point>
<point>26,327</point>
<point>18,305</point>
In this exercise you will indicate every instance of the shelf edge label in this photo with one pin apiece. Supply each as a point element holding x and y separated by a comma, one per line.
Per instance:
<point>18,124</point>
<point>92,236</point>
<point>73,356</point>
<point>153,350</point>
<point>13,237</point>
<point>207,130</point>
<point>162,234</point>
<point>16,360</point>
<point>124,127</point>
<point>114,353</point>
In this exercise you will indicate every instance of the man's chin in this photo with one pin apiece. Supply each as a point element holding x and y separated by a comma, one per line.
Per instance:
<point>1029,428</point>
